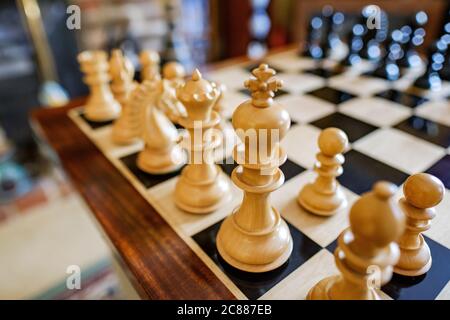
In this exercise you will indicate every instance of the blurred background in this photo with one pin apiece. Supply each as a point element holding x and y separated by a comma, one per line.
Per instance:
<point>44,225</point>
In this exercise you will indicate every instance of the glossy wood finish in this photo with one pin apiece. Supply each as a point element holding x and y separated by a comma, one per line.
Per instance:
<point>160,262</point>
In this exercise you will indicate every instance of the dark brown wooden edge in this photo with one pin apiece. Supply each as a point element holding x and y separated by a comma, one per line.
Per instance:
<point>162,265</point>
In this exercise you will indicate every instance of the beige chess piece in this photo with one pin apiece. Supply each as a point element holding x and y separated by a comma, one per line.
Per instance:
<point>366,251</point>
<point>174,71</point>
<point>162,153</point>
<point>255,238</point>
<point>150,61</point>
<point>325,196</point>
<point>422,192</point>
<point>101,105</point>
<point>173,78</point>
<point>121,71</point>
<point>127,129</point>
<point>202,186</point>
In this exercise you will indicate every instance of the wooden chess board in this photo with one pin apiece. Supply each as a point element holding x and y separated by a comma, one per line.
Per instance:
<point>392,133</point>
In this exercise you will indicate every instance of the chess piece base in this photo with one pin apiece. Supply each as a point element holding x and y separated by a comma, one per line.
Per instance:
<point>322,204</point>
<point>101,113</point>
<point>124,138</point>
<point>414,262</point>
<point>321,291</point>
<point>254,252</point>
<point>156,162</point>
<point>202,197</point>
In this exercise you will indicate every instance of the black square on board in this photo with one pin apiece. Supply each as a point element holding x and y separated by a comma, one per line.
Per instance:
<point>331,95</point>
<point>148,180</point>
<point>324,72</point>
<point>354,128</point>
<point>427,286</point>
<point>228,165</point>
<point>403,98</point>
<point>277,94</point>
<point>290,169</point>
<point>361,172</point>
<point>94,124</point>
<point>427,130</point>
<point>441,169</point>
<point>254,285</point>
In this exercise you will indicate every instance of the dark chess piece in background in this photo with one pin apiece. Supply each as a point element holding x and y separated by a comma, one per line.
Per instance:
<point>413,37</point>
<point>388,67</point>
<point>176,48</point>
<point>355,45</point>
<point>14,179</point>
<point>435,60</point>
<point>375,32</point>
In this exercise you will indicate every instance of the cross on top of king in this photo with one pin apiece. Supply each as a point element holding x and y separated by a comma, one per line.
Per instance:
<point>263,86</point>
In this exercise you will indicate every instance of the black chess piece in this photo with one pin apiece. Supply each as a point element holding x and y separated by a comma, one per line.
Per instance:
<point>445,71</point>
<point>327,18</point>
<point>334,39</point>
<point>355,44</point>
<point>414,34</point>
<point>312,39</point>
<point>374,33</point>
<point>175,46</point>
<point>435,59</point>
<point>388,68</point>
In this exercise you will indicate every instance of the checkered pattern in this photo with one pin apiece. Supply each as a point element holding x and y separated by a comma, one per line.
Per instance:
<point>393,133</point>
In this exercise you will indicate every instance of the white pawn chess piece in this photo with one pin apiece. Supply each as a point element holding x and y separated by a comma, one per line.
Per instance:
<point>162,152</point>
<point>100,105</point>
<point>325,196</point>
<point>202,186</point>
<point>173,78</point>
<point>149,60</point>
<point>422,192</point>
<point>255,238</point>
<point>366,251</point>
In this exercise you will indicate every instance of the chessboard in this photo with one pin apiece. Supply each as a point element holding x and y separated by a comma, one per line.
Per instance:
<point>393,132</point>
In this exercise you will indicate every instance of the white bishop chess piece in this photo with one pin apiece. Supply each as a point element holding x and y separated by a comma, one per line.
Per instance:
<point>202,186</point>
<point>255,238</point>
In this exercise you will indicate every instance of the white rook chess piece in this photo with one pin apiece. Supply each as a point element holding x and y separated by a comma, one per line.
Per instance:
<point>255,238</point>
<point>422,192</point>
<point>325,196</point>
<point>202,186</point>
<point>101,105</point>
<point>366,251</point>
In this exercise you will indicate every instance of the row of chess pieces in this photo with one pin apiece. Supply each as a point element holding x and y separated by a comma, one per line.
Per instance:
<point>390,51</point>
<point>254,237</point>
